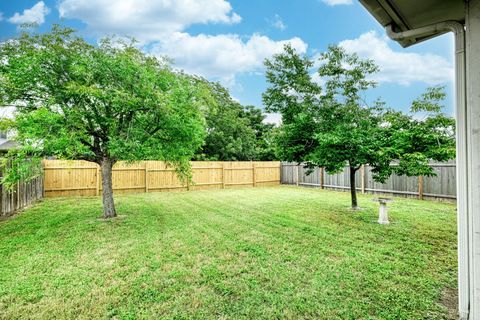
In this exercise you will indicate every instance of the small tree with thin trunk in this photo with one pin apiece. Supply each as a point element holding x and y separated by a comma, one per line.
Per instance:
<point>330,125</point>
<point>100,103</point>
<point>349,130</point>
<point>327,128</point>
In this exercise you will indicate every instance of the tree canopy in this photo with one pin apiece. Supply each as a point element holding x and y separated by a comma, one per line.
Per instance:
<point>234,132</point>
<point>415,138</point>
<point>99,103</point>
<point>329,124</point>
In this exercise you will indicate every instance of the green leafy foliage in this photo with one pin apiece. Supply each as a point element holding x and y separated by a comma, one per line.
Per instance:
<point>416,138</point>
<point>234,132</point>
<point>293,94</point>
<point>331,125</point>
<point>99,103</point>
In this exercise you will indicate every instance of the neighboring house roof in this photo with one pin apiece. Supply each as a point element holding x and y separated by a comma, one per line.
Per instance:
<point>404,15</point>
<point>6,144</point>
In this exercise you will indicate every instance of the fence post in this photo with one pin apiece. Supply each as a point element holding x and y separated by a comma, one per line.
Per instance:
<point>146,176</point>
<point>297,174</point>
<point>420,187</point>
<point>42,181</point>
<point>254,175</point>
<point>223,175</point>
<point>97,187</point>
<point>16,197</point>
<point>322,177</point>
<point>362,180</point>
<point>188,180</point>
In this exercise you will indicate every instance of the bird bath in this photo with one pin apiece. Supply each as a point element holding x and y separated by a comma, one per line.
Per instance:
<point>383,210</point>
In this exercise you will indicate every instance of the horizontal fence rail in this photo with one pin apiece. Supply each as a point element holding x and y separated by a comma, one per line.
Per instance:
<point>82,178</point>
<point>22,195</point>
<point>441,186</point>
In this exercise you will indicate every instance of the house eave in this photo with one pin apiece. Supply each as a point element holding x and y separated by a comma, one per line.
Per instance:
<point>402,16</point>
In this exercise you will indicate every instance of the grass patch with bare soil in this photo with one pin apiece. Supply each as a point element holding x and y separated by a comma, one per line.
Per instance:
<point>262,253</point>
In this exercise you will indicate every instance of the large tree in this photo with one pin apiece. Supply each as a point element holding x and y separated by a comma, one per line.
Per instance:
<point>99,103</point>
<point>264,133</point>
<point>332,126</point>
<point>234,132</point>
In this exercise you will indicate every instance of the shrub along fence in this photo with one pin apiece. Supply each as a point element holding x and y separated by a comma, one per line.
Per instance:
<point>22,195</point>
<point>82,178</point>
<point>441,186</point>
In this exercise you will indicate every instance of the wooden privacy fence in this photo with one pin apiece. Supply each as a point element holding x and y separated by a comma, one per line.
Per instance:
<point>441,186</point>
<point>22,195</point>
<point>82,178</point>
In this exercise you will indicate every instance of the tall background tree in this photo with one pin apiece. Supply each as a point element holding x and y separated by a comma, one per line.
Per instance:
<point>264,133</point>
<point>99,103</point>
<point>332,126</point>
<point>234,132</point>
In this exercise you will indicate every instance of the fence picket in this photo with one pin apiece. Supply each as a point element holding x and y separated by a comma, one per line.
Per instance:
<point>24,194</point>
<point>442,186</point>
<point>67,178</point>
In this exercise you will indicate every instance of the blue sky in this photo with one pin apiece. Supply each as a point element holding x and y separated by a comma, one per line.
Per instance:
<point>227,40</point>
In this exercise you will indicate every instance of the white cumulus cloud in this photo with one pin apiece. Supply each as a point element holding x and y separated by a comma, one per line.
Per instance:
<point>35,14</point>
<point>400,66</point>
<point>337,2</point>
<point>147,20</point>
<point>160,26</point>
<point>222,57</point>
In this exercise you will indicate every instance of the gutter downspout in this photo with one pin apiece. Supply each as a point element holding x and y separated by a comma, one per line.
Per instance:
<point>461,135</point>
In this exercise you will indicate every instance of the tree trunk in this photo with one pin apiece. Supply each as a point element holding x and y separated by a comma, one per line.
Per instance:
<point>353,189</point>
<point>107,189</point>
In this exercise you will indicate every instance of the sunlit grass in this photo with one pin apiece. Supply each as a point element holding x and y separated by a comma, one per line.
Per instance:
<point>260,253</point>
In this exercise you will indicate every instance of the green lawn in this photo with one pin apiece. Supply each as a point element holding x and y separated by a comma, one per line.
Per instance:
<point>264,253</point>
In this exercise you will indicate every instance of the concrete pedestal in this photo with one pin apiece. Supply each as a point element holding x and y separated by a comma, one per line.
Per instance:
<point>383,210</point>
<point>383,213</point>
